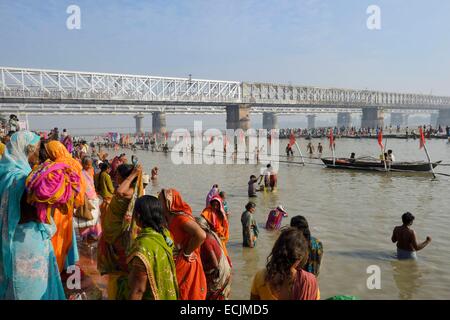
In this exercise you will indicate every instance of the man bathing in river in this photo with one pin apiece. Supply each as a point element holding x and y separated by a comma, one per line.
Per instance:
<point>406,239</point>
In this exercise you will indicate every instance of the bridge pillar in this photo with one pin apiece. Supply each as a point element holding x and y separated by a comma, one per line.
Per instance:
<point>139,118</point>
<point>399,119</point>
<point>443,118</point>
<point>159,122</point>
<point>372,117</point>
<point>311,121</point>
<point>344,119</point>
<point>270,120</point>
<point>238,117</point>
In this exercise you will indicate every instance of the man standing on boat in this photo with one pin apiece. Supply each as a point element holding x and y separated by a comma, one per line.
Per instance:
<point>390,156</point>
<point>406,239</point>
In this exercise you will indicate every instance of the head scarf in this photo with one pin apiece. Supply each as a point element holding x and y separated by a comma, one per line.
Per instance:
<point>175,202</point>
<point>14,169</point>
<point>57,183</point>
<point>213,192</point>
<point>57,152</point>
<point>220,200</point>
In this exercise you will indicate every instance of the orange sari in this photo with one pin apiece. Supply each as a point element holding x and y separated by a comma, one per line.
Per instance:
<point>62,240</point>
<point>218,224</point>
<point>190,275</point>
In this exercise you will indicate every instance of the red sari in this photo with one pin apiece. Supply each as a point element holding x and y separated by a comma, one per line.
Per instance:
<point>190,275</point>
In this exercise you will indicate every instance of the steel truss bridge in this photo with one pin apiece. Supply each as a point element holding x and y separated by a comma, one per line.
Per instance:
<point>35,91</point>
<point>74,109</point>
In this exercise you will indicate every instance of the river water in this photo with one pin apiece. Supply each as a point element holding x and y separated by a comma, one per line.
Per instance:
<point>352,213</point>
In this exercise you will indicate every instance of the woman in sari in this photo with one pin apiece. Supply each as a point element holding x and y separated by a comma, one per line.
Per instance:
<point>275,217</point>
<point>283,278</point>
<point>104,187</point>
<point>188,237</point>
<point>28,268</point>
<point>215,264</point>
<point>68,143</point>
<point>215,214</point>
<point>116,230</point>
<point>87,217</point>
<point>315,245</point>
<point>150,260</point>
<point>56,187</point>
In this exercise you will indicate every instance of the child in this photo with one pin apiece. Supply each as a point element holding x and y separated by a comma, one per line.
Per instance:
<point>249,227</point>
<point>223,195</point>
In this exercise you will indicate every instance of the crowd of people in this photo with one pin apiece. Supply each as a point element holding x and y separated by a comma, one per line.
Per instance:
<point>149,246</point>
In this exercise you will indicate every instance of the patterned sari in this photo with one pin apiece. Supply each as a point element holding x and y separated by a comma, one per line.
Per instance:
<point>28,268</point>
<point>56,188</point>
<point>190,275</point>
<point>155,252</point>
<point>218,276</point>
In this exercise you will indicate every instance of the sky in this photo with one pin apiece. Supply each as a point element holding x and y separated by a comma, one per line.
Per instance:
<point>322,43</point>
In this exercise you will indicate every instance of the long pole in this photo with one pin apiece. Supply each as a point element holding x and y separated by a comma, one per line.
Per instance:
<point>300,151</point>
<point>429,160</point>
<point>384,160</point>
<point>334,157</point>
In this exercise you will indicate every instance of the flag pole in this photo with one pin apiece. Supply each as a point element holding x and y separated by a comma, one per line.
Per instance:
<point>423,144</point>
<point>300,151</point>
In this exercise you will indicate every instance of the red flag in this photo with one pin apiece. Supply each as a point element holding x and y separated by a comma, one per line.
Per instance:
<point>331,139</point>
<point>291,140</point>
<point>380,139</point>
<point>422,138</point>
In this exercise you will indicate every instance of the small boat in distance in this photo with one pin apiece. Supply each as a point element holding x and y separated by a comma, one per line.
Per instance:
<point>372,164</point>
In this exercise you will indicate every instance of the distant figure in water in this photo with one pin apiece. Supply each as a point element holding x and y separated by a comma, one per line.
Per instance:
<point>275,217</point>
<point>406,239</point>
<point>320,150</point>
<point>310,148</point>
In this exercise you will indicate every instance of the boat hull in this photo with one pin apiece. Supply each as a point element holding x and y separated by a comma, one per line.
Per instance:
<point>378,166</point>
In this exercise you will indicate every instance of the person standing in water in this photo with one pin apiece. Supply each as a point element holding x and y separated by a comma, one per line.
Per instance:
<point>310,148</point>
<point>406,239</point>
<point>320,150</point>
<point>249,227</point>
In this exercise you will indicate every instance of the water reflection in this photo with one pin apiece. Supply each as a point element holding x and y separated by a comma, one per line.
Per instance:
<point>407,277</point>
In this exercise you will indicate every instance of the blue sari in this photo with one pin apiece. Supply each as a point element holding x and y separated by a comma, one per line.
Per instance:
<point>28,268</point>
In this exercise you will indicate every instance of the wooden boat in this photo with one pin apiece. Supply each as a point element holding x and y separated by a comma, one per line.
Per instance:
<point>372,164</point>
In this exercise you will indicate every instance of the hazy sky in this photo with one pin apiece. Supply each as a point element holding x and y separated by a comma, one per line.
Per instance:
<point>307,42</point>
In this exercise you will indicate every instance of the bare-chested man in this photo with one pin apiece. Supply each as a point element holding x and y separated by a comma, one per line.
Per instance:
<point>406,239</point>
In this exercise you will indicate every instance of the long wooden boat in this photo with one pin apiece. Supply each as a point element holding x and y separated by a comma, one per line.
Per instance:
<point>372,164</point>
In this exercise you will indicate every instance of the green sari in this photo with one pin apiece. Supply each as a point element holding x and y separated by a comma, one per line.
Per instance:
<point>114,241</point>
<point>156,254</point>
